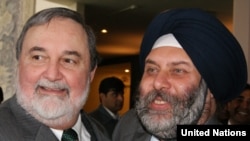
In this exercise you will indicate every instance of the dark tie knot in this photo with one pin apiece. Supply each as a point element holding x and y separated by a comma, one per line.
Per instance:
<point>69,135</point>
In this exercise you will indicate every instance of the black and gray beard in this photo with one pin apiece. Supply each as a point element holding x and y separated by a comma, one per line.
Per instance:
<point>186,110</point>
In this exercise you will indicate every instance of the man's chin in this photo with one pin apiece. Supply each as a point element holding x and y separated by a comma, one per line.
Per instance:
<point>162,129</point>
<point>50,106</point>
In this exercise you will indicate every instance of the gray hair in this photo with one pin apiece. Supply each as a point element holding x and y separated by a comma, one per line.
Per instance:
<point>46,15</point>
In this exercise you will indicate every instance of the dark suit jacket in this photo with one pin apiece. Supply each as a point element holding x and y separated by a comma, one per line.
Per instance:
<point>17,125</point>
<point>129,128</point>
<point>102,116</point>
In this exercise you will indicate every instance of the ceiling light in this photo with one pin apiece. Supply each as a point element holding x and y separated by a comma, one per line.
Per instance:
<point>104,31</point>
<point>127,70</point>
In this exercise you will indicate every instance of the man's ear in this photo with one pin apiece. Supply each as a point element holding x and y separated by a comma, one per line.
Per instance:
<point>209,108</point>
<point>101,97</point>
<point>213,103</point>
<point>92,74</point>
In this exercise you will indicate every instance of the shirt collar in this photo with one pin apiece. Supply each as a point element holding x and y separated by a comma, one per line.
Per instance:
<point>78,127</point>
<point>111,113</point>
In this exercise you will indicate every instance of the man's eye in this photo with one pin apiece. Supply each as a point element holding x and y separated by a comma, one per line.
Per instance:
<point>150,70</point>
<point>70,61</point>
<point>37,57</point>
<point>178,71</point>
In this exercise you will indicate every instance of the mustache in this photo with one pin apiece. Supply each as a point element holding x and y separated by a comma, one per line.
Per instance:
<point>174,100</point>
<point>44,83</point>
<point>152,95</point>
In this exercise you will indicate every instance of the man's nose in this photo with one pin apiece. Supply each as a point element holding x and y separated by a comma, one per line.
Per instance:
<point>162,81</point>
<point>52,71</point>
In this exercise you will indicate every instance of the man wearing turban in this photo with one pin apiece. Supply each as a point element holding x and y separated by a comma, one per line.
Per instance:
<point>190,61</point>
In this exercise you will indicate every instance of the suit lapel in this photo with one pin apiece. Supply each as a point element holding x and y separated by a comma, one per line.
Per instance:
<point>45,134</point>
<point>88,126</point>
<point>32,130</point>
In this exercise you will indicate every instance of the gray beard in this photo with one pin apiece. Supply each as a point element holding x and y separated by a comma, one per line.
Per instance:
<point>62,112</point>
<point>185,110</point>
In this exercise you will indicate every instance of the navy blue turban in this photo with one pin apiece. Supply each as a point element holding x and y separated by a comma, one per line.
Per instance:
<point>211,46</point>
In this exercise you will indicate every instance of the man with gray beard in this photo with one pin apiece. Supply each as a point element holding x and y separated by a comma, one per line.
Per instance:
<point>57,59</point>
<point>190,60</point>
<point>164,126</point>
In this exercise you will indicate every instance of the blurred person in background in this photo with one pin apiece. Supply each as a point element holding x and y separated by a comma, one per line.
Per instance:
<point>111,91</point>
<point>239,108</point>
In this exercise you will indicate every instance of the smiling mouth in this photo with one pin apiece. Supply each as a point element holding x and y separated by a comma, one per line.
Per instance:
<point>157,101</point>
<point>54,91</point>
<point>158,104</point>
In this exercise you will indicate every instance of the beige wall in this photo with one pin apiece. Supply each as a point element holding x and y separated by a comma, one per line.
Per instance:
<point>14,14</point>
<point>43,4</point>
<point>241,28</point>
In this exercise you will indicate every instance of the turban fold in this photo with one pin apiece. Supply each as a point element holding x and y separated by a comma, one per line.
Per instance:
<point>212,48</point>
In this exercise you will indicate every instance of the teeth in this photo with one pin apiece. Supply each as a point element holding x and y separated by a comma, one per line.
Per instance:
<point>54,89</point>
<point>159,102</point>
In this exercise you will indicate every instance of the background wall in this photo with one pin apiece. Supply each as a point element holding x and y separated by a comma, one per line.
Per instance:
<point>43,4</point>
<point>241,27</point>
<point>13,14</point>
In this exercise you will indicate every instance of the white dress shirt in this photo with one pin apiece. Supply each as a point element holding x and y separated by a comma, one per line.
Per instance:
<point>153,138</point>
<point>80,129</point>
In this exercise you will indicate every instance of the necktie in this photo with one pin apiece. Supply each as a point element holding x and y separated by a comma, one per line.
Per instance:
<point>69,135</point>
